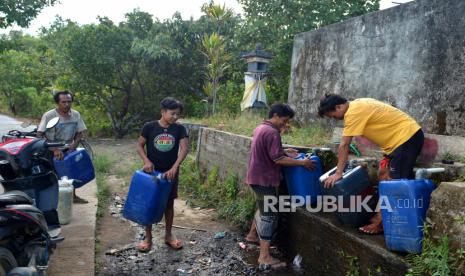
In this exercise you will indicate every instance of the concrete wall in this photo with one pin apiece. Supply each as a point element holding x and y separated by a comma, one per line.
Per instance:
<point>327,247</point>
<point>412,56</point>
<point>227,151</point>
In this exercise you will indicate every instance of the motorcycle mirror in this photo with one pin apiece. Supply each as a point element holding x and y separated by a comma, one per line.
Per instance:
<point>52,123</point>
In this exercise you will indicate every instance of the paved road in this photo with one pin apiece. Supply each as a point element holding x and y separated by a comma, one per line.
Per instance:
<point>8,123</point>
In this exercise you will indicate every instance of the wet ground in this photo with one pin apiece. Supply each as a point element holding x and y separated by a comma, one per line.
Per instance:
<point>202,254</point>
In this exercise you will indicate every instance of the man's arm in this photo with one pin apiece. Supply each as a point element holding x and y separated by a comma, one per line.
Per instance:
<point>342,155</point>
<point>183,151</point>
<point>148,165</point>
<point>288,161</point>
<point>76,140</point>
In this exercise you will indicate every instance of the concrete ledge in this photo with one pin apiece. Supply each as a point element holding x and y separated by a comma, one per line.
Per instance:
<point>328,248</point>
<point>433,150</point>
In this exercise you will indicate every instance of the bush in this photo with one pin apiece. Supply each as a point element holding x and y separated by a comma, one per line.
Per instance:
<point>436,258</point>
<point>233,203</point>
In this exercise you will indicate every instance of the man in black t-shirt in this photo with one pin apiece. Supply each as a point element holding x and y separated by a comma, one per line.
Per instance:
<point>167,146</point>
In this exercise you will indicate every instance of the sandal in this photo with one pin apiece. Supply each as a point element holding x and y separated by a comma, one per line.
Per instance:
<point>144,246</point>
<point>277,265</point>
<point>174,243</point>
<point>79,200</point>
<point>257,241</point>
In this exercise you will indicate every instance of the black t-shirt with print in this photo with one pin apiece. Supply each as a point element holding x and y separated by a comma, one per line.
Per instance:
<point>162,144</point>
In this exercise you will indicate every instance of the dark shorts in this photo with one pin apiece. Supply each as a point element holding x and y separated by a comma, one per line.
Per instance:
<point>266,219</point>
<point>174,190</point>
<point>403,159</point>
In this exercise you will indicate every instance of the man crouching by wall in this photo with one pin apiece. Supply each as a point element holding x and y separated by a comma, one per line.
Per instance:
<point>264,176</point>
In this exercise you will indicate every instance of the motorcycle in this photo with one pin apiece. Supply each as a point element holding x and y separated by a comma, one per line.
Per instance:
<point>29,225</point>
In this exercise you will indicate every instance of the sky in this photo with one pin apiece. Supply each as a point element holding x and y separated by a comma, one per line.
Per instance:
<point>86,11</point>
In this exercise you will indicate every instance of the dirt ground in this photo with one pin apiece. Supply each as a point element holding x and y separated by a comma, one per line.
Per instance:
<point>202,254</point>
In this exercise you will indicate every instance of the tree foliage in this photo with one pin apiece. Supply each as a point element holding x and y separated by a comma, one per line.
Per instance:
<point>275,22</point>
<point>120,72</point>
<point>21,12</point>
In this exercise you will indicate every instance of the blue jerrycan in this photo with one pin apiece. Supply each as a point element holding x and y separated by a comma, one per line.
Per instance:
<point>304,182</point>
<point>76,165</point>
<point>403,208</point>
<point>350,191</point>
<point>147,197</point>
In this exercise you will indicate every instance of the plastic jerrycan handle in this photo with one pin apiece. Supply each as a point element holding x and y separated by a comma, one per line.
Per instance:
<point>344,175</point>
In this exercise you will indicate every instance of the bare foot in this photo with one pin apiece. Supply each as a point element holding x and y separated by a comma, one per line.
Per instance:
<point>372,229</point>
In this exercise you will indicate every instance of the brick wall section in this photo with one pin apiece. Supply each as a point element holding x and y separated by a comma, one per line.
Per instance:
<point>228,151</point>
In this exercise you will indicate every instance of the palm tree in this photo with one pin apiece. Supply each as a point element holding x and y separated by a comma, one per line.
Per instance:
<point>214,50</point>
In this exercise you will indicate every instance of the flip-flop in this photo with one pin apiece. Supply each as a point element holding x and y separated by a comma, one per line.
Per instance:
<point>273,266</point>
<point>144,246</point>
<point>364,231</point>
<point>175,244</point>
<point>252,241</point>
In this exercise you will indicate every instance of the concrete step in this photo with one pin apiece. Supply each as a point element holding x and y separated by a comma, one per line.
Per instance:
<point>329,248</point>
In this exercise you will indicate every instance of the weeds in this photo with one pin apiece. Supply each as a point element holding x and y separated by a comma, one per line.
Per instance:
<point>233,203</point>
<point>436,258</point>
<point>352,263</point>
<point>102,166</point>
<point>245,124</point>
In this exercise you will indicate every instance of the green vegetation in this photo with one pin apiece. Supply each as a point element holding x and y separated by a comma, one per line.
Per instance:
<point>21,12</point>
<point>232,202</point>
<point>102,165</point>
<point>247,122</point>
<point>353,268</point>
<point>436,257</point>
<point>120,72</point>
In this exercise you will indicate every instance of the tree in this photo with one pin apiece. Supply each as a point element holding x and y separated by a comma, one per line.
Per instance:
<point>21,12</point>
<point>275,22</point>
<point>15,76</point>
<point>214,50</point>
<point>219,14</point>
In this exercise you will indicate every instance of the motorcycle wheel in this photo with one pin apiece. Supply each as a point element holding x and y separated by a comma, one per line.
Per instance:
<point>7,261</point>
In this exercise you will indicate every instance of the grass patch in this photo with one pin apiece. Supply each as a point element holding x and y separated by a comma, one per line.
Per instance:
<point>307,136</point>
<point>436,257</point>
<point>102,166</point>
<point>234,203</point>
<point>245,124</point>
<point>127,172</point>
<point>353,268</point>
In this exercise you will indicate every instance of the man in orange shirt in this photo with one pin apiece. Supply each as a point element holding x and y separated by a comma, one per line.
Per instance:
<point>396,133</point>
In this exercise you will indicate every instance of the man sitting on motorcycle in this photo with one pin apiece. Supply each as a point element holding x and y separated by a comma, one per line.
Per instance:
<point>68,130</point>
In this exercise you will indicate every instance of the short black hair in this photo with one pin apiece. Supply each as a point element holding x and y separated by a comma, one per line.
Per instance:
<point>282,110</point>
<point>170,103</point>
<point>329,102</point>
<point>56,95</point>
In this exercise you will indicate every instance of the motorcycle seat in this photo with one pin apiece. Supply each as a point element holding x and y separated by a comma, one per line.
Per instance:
<point>14,198</point>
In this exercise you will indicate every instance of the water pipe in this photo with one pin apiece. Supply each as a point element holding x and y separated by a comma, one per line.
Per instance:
<point>423,173</point>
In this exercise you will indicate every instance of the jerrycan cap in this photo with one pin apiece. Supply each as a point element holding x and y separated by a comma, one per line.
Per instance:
<point>65,182</point>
